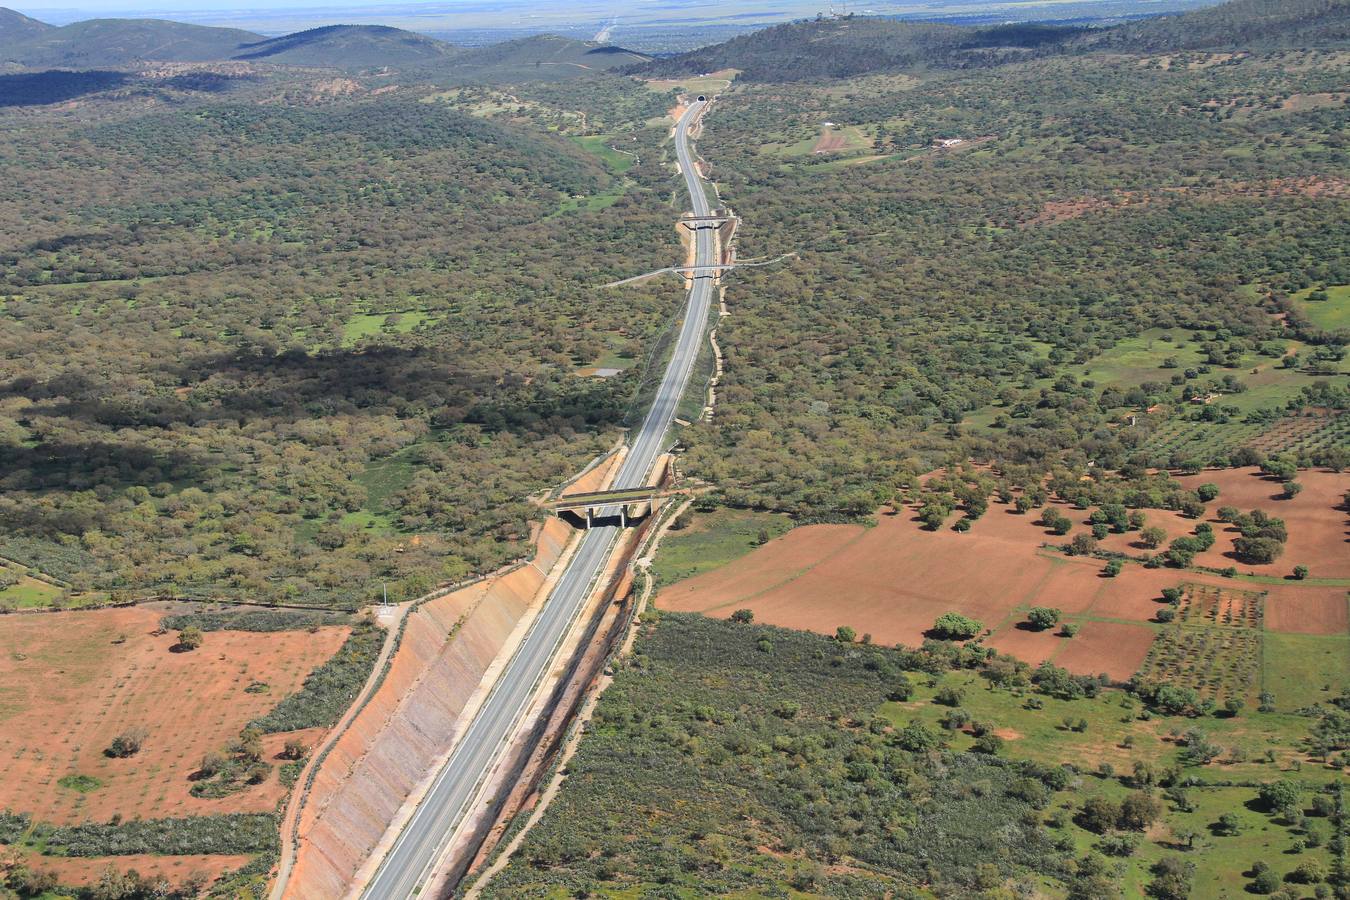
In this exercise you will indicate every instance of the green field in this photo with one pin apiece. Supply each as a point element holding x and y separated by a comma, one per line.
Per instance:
<point>80,783</point>
<point>713,539</point>
<point>29,593</point>
<point>1134,360</point>
<point>382,479</point>
<point>695,84</point>
<point>1330,314</point>
<point>370,325</point>
<point>592,203</point>
<point>1113,716</point>
<point>602,145</point>
<point>1303,669</point>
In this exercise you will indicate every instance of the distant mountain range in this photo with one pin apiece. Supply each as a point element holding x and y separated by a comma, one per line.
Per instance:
<point>823,48</point>
<point>114,43</point>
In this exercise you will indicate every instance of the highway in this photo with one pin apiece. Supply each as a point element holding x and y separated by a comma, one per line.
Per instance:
<point>442,810</point>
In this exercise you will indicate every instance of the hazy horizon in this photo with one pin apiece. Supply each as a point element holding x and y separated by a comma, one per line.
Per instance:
<point>279,16</point>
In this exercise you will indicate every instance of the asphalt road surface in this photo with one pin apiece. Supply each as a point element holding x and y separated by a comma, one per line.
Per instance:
<point>444,807</point>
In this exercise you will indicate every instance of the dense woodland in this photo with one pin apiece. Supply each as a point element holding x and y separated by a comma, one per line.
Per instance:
<point>942,291</point>
<point>733,759</point>
<point>284,347</point>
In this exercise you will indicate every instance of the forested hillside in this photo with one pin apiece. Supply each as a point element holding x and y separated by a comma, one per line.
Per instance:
<point>352,46</point>
<point>844,46</point>
<point>972,298</point>
<point>852,45</point>
<point>113,42</point>
<point>1245,24</point>
<point>293,350</point>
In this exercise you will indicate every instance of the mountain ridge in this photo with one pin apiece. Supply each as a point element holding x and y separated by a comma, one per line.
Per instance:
<point>356,45</point>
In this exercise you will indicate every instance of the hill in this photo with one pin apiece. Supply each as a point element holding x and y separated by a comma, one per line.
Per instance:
<point>15,27</point>
<point>116,42</point>
<point>1245,24</point>
<point>349,46</point>
<point>545,57</point>
<point>853,45</point>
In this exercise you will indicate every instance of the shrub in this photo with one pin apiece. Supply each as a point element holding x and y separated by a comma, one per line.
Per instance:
<point>1281,797</point>
<point>1083,545</point>
<point>1118,845</point>
<point>956,627</point>
<point>1207,491</point>
<point>987,743</point>
<point>126,744</point>
<point>1068,629</point>
<point>1300,572</point>
<point>955,719</point>
<point>330,688</point>
<point>1308,872</point>
<point>1043,617</point>
<point>228,834</point>
<point>1139,810</point>
<point>845,635</point>
<point>1265,882</point>
<point>917,738</point>
<point>948,696</point>
<point>743,616</point>
<point>1113,568</point>
<point>902,689</point>
<point>1098,814</point>
<point>189,638</point>
<point>1258,550</point>
<point>1171,879</point>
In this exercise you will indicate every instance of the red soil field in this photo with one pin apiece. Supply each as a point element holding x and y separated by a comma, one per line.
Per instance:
<point>78,871</point>
<point>70,682</point>
<point>891,581</point>
<point>1034,647</point>
<point>1319,528</point>
<point>1116,648</point>
<point>1308,609</point>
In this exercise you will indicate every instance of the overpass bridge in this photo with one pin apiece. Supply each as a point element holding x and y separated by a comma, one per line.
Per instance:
<point>628,506</point>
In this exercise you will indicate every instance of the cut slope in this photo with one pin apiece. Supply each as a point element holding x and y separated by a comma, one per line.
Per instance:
<point>118,42</point>
<point>349,46</point>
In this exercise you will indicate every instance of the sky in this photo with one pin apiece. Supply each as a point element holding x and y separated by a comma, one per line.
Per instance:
<point>279,16</point>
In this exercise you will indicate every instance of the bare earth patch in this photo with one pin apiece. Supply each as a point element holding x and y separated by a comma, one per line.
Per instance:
<point>71,682</point>
<point>892,580</point>
<point>79,871</point>
<point>1319,528</point>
